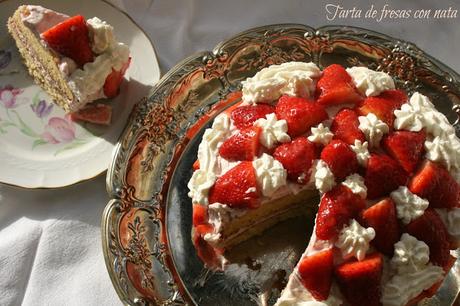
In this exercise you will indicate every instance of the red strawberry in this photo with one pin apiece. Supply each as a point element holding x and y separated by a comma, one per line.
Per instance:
<point>296,157</point>
<point>70,38</point>
<point>316,273</point>
<point>435,184</point>
<point>94,113</point>
<point>114,79</point>
<point>200,214</point>
<point>237,187</point>
<point>359,281</point>
<point>242,146</point>
<point>346,127</point>
<point>383,175</point>
<point>340,158</point>
<point>245,116</point>
<point>209,255</point>
<point>336,87</point>
<point>196,165</point>
<point>336,208</point>
<point>382,217</point>
<point>301,114</point>
<point>430,229</point>
<point>384,105</point>
<point>406,147</point>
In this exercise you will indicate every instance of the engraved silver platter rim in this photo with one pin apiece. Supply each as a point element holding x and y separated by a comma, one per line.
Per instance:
<point>136,246</point>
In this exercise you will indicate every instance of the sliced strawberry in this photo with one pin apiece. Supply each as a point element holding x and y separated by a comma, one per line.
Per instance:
<point>245,116</point>
<point>200,214</point>
<point>94,113</point>
<point>382,217</point>
<point>316,273</point>
<point>359,281</point>
<point>383,175</point>
<point>434,183</point>
<point>244,145</point>
<point>336,209</point>
<point>296,157</point>
<point>346,127</point>
<point>196,165</point>
<point>406,147</point>
<point>237,187</point>
<point>430,229</point>
<point>300,114</point>
<point>340,158</point>
<point>70,38</point>
<point>114,79</point>
<point>384,105</point>
<point>209,255</point>
<point>336,87</point>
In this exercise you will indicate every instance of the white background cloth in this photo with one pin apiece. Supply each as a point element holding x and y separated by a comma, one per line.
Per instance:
<point>50,241</point>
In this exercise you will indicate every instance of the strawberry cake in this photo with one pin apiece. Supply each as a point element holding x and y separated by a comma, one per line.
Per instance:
<point>75,60</point>
<point>384,166</point>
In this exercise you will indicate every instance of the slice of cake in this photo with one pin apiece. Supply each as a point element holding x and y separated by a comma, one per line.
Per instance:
<point>385,168</point>
<point>75,60</point>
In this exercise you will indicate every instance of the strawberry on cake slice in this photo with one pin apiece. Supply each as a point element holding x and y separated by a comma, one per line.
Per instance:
<point>75,60</point>
<point>385,168</point>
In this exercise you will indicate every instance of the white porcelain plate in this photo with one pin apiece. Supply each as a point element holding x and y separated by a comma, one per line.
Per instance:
<point>39,145</point>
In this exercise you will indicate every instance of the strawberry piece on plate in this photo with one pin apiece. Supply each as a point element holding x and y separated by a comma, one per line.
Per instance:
<point>336,87</point>
<point>316,273</point>
<point>296,157</point>
<point>340,158</point>
<point>244,145</point>
<point>114,79</point>
<point>245,116</point>
<point>384,105</point>
<point>300,114</point>
<point>200,214</point>
<point>70,38</point>
<point>359,281</point>
<point>406,147</point>
<point>383,175</point>
<point>430,229</point>
<point>336,208</point>
<point>382,217</point>
<point>196,165</point>
<point>237,187</point>
<point>434,183</point>
<point>346,127</point>
<point>94,113</point>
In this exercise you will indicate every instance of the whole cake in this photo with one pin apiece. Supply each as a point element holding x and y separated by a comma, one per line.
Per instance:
<point>75,60</point>
<point>385,166</point>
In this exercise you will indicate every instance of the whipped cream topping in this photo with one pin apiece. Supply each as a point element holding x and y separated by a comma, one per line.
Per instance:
<point>323,177</point>
<point>67,66</point>
<point>373,128</point>
<point>101,34</point>
<point>409,206</point>
<point>41,19</point>
<point>370,82</point>
<point>270,174</point>
<point>356,184</point>
<point>273,131</point>
<point>362,152</point>
<point>410,254</point>
<point>293,79</point>
<point>445,150</point>
<point>451,219</point>
<point>320,134</point>
<point>354,240</point>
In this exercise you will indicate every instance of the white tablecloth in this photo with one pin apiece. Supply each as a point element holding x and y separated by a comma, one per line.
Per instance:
<point>50,245</point>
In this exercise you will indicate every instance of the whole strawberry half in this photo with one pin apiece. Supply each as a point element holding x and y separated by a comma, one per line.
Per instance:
<point>336,209</point>
<point>345,126</point>
<point>406,147</point>
<point>359,281</point>
<point>340,158</point>
<point>434,183</point>
<point>237,187</point>
<point>244,145</point>
<point>245,116</point>
<point>384,105</point>
<point>316,273</point>
<point>70,38</point>
<point>113,81</point>
<point>300,114</point>
<point>296,157</point>
<point>336,87</point>
<point>382,217</point>
<point>383,175</point>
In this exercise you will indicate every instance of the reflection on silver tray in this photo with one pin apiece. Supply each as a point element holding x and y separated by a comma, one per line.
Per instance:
<point>146,225</point>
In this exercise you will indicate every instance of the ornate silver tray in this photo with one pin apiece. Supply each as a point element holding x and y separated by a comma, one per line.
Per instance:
<point>146,225</point>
